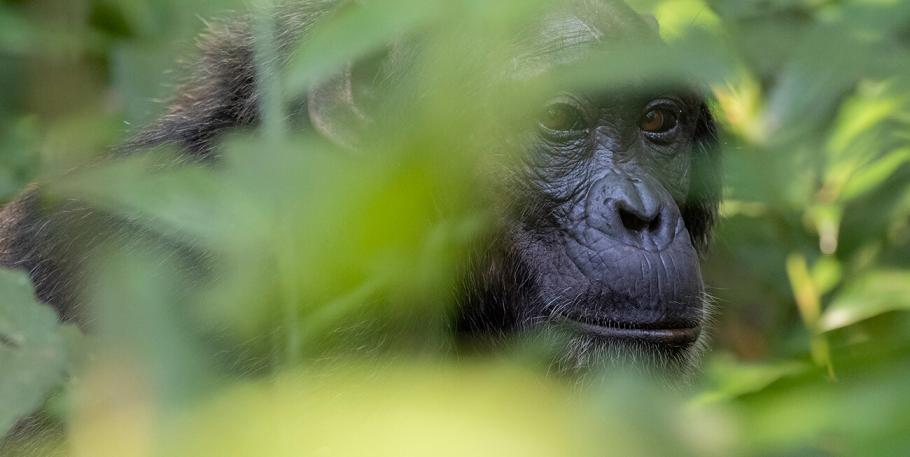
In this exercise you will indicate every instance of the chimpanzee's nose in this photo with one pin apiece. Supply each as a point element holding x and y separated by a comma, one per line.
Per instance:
<point>637,212</point>
<point>637,219</point>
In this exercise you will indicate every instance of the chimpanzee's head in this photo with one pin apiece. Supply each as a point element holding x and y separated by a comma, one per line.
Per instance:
<point>607,216</point>
<point>602,220</point>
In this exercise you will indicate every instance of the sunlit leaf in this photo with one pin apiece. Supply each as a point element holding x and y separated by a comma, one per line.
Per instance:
<point>873,294</point>
<point>676,17</point>
<point>875,173</point>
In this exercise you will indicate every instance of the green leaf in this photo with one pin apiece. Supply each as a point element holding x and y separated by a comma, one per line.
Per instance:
<point>32,350</point>
<point>875,173</point>
<point>16,34</point>
<point>731,379</point>
<point>872,295</point>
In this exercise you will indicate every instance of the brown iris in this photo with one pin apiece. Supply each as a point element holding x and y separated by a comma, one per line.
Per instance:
<point>658,121</point>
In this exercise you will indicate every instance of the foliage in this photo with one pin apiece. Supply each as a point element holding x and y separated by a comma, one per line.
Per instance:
<point>322,332</point>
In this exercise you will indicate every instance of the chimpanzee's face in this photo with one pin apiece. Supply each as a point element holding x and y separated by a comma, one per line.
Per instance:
<point>600,226</point>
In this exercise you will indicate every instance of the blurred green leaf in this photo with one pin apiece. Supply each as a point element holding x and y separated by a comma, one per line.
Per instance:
<point>730,379</point>
<point>827,274</point>
<point>33,353</point>
<point>17,35</point>
<point>873,294</point>
<point>677,17</point>
<point>875,173</point>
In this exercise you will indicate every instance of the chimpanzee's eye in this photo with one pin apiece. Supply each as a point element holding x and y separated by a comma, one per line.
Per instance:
<point>561,117</point>
<point>658,120</point>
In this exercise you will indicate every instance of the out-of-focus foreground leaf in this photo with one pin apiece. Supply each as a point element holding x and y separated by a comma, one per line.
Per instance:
<point>874,294</point>
<point>33,355</point>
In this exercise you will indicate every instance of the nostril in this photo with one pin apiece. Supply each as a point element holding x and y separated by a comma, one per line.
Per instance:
<point>635,223</point>
<point>655,223</point>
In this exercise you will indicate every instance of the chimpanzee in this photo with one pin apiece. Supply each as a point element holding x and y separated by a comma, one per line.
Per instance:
<point>609,210</point>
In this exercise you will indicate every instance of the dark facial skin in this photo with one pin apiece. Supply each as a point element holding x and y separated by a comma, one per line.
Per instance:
<point>607,242</point>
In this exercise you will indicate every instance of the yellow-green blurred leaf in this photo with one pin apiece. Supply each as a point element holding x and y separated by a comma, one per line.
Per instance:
<point>873,294</point>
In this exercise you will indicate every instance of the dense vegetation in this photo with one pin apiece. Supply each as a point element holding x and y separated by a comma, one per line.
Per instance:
<point>810,268</point>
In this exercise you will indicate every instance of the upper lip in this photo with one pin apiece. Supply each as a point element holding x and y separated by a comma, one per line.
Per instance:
<point>669,334</point>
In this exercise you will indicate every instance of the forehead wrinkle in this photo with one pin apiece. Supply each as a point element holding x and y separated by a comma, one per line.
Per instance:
<point>566,35</point>
<point>559,39</point>
<point>570,29</point>
<point>564,32</point>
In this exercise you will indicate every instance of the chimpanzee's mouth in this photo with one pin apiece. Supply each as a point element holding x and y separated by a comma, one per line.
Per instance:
<point>650,333</point>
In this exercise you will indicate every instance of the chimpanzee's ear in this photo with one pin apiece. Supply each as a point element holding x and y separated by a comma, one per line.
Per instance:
<point>341,108</point>
<point>701,207</point>
<point>334,112</point>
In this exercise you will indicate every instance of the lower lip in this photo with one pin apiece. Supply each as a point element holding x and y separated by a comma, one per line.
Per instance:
<point>670,336</point>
